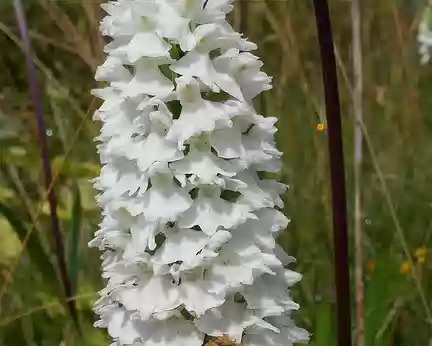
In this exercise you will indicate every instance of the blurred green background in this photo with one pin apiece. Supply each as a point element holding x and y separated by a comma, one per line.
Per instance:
<point>397,115</point>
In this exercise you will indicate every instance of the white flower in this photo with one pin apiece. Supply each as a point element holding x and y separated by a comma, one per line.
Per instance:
<point>231,319</point>
<point>163,202</point>
<point>148,79</point>
<point>189,247</point>
<point>189,226</point>
<point>197,63</point>
<point>268,296</point>
<point>197,115</point>
<point>424,35</point>
<point>288,334</point>
<point>204,166</point>
<point>210,212</point>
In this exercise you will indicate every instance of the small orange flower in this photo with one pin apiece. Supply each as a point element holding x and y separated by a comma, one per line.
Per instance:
<point>370,267</point>
<point>405,268</point>
<point>421,254</point>
<point>320,127</point>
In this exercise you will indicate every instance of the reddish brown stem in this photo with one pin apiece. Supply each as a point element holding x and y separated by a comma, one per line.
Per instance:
<point>37,100</point>
<point>337,170</point>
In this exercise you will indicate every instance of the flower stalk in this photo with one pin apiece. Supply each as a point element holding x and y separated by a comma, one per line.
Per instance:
<point>358,159</point>
<point>37,100</point>
<point>337,170</point>
<point>189,225</point>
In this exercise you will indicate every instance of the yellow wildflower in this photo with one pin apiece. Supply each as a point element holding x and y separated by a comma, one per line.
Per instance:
<point>421,254</point>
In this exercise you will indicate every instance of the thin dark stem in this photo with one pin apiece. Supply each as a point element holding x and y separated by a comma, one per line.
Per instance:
<point>244,17</point>
<point>340,225</point>
<point>37,100</point>
<point>358,158</point>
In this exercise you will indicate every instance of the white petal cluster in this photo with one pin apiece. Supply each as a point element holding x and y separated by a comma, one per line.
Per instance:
<point>189,223</point>
<point>425,35</point>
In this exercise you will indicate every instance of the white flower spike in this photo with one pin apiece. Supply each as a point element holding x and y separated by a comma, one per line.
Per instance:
<point>189,224</point>
<point>424,35</point>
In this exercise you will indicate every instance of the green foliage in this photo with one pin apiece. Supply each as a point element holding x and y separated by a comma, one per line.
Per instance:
<point>74,240</point>
<point>324,333</point>
<point>37,255</point>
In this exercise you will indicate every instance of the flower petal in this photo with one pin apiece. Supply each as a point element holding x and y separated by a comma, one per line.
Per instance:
<point>210,212</point>
<point>147,80</point>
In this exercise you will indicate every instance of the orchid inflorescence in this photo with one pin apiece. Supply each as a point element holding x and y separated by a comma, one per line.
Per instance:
<point>189,221</point>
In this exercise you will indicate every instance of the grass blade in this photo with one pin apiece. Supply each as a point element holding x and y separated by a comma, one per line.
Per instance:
<point>324,334</point>
<point>35,250</point>
<point>74,240</point>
